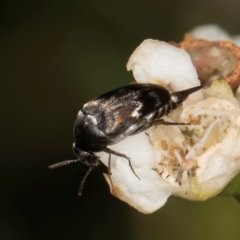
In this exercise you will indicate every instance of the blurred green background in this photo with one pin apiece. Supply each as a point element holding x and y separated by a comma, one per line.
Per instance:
<point>55,56</point>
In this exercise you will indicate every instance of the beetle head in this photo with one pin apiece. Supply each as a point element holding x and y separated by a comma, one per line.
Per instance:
<point>88,158</point>
<point>180,96</point>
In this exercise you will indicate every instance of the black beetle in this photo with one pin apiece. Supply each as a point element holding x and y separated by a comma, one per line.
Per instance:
<point>115,115</point>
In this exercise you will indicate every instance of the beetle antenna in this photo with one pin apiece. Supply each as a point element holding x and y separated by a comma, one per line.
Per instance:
<point>84,179</point>
<point>60,164</point>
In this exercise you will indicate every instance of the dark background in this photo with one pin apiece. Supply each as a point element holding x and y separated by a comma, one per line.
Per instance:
<point>54,57</point>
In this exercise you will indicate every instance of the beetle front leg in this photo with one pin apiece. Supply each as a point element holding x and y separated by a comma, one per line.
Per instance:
<point>110,151</point>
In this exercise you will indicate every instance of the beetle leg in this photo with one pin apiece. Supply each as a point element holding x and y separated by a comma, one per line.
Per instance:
<point>109,164</point>
<point>110,151</point>
<point>162,122</point>
<point>142,128</point>
<point>109,168</point>
<point>156,122</point>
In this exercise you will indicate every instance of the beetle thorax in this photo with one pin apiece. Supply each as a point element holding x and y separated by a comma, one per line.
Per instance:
<point>87,135</point>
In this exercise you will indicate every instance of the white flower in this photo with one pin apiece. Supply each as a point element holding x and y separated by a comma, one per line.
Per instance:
<point>213,32</point>
<point>194,161</point>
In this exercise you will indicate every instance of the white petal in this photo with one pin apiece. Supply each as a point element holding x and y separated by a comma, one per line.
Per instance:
<point>146,195</point>
<point>210,32</point>
<point>151,191</point>
<point>137,147</point>
<point>213,32</point>
<point>154,60</point>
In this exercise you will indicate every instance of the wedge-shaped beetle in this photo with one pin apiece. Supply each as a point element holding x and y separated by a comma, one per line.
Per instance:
<point>115,115</point>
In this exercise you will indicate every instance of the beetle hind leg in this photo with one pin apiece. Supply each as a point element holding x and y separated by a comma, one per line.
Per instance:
<point>162,122</point>
<point>146,125</point>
